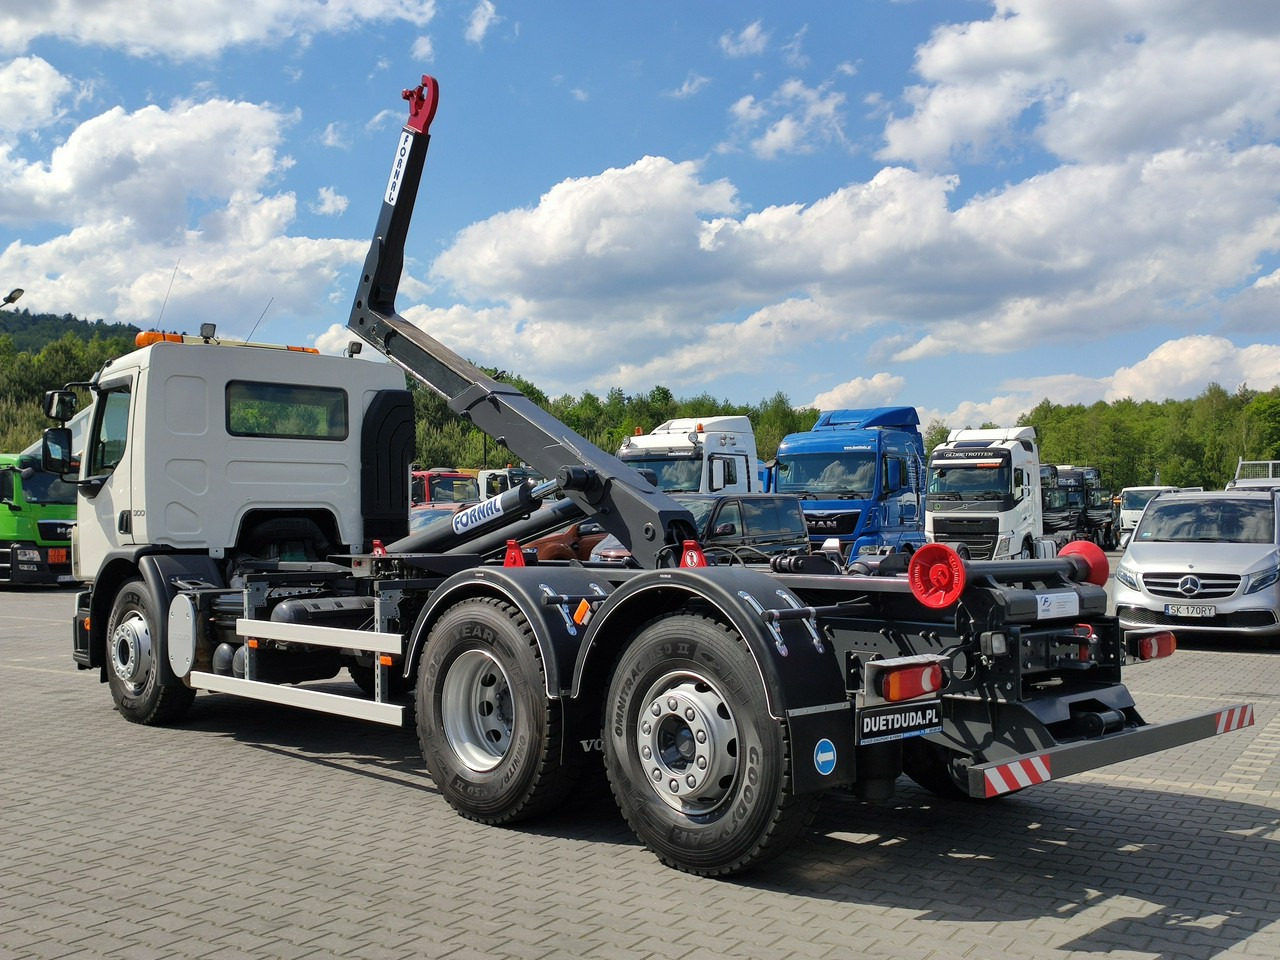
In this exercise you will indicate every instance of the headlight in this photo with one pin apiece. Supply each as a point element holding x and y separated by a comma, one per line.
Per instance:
<point>30,556</point>
<point>1260,581</point>
<point>1128,577</point>
<point>1002,546</point>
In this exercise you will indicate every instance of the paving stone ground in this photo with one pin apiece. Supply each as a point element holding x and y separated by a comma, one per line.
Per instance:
<point>256,831</point>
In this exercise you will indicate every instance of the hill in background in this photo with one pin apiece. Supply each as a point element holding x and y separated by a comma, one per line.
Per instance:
<point>32,332</point>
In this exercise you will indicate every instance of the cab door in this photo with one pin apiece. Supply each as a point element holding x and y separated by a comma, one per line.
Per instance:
<point>105,501</point>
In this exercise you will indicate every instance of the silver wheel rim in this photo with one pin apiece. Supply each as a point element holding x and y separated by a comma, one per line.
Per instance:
<point>475,707</point>
<point>131,652</point>
<point>687,741</point>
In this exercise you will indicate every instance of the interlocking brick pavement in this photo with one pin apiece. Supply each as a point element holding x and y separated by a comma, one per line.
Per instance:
<point>256,831</point>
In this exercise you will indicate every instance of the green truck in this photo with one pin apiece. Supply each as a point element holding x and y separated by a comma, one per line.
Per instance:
<point>37,512</point>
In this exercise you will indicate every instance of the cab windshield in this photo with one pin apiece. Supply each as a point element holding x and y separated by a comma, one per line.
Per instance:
<point>988,480</point>
<point>1136,499</point>
<point>41,487</point>
<point>675,474</point>
<point>845,476</point>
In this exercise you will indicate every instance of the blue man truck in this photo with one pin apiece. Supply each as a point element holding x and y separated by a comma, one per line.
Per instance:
<point>858,473</point>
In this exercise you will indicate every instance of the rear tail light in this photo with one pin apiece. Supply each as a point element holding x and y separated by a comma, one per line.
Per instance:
<point>909,682</point>
<point>1157,645</point>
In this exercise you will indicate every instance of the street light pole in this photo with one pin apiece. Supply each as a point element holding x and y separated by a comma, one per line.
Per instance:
<point>12,297</point>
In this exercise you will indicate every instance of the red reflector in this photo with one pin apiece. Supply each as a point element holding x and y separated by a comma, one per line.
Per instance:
<point>937,575</point>
<point>1157,645</point>
<point>691,555</point>
<point>907,683</point>
<point>514,557</point>
<point>1090,563</point>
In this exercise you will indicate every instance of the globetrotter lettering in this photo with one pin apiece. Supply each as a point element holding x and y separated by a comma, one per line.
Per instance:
<point>473,516</point>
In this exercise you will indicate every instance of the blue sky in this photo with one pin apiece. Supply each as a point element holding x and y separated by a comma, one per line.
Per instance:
<point>965,206</point>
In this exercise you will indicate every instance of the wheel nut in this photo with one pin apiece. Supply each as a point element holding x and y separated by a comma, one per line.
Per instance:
<point>646,753</point>
<point>702,763</point>
<point>672,704</point>
<point>689,714</point>
<point>702,736</point>
<point>656,710</point>
<point>675,786</point>
<point>691,780</point>
<point>646,728</point>
<point>657,774</point>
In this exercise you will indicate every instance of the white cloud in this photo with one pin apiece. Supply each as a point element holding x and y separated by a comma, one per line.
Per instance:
<point>332,137</point>
<point>483,16</point>
<point>749,41</point>
<point>1181,368</point>
<point>793,50</point>
<point>423,50</point>
<point>692,84</point>
<point>329,202</point>
<point>126,185</point>
<point>879,390</point>
<point>795,118</point>
<point>30,93</point>
<point>1094,82</point>
<point>204,28</point>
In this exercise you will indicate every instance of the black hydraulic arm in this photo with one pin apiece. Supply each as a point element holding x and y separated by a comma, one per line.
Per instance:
<point>643,517</point>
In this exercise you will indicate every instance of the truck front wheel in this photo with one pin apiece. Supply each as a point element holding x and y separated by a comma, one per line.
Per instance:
<point>142,683</point>
<point>699,768</point>
<point>489,733</point>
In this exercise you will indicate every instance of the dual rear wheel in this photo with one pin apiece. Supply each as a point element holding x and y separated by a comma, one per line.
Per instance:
<point>698,767</point>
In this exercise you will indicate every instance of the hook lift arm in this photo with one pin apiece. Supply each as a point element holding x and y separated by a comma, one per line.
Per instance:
<point>644,518</point>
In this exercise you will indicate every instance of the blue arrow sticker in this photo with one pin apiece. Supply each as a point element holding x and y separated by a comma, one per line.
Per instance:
<point>824,756</point>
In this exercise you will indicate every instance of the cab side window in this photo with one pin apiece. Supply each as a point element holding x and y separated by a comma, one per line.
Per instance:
<point>107,449</point>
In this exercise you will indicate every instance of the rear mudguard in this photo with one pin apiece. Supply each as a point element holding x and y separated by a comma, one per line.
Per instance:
<point>799,669</point>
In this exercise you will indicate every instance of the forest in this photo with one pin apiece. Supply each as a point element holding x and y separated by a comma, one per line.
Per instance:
<point>1194,442</point>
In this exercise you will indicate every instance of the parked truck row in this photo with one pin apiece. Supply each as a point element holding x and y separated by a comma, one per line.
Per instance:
<point>242,531</point>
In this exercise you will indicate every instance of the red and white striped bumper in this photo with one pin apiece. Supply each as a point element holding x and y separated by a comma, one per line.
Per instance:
<point>1005,776</point>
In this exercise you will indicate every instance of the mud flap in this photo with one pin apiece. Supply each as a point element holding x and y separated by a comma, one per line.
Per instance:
<point>822,747</point>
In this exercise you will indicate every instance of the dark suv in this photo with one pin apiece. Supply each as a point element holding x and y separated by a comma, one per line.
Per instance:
<point>743,526</point>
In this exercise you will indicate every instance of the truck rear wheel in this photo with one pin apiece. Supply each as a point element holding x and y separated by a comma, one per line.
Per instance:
<point>489,733</point>
<point>699,768</point>
<point>142,683</point>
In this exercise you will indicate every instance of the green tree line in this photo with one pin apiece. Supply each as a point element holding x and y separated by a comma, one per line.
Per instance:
<point>1194,442</point>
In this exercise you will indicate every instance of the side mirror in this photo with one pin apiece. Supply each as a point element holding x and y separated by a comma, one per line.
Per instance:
<point>724,530</point>
<point>717,474</point>
<point>60,405</point>
<point>893,476</point>
<point>1124,541</point>
<point>55,450</point>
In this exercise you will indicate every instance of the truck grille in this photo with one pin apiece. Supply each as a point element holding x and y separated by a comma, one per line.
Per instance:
<point>832,523</point>
<point>54,531</point>
<point>1212,586</point>
<point>979,534</point>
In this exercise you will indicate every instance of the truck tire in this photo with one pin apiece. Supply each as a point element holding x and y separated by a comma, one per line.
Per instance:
<point>699,769</point>
<point>142,683</point>
<point>1028,550</point>
<point>489,733</point>
<point>939,770</point>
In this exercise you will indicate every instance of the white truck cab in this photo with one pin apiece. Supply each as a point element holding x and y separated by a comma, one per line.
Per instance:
<point>192,444</point>
<point>698,455</point>
<point>984,494</point>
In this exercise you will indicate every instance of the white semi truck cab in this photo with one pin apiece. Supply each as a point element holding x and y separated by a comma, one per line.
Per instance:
<point>698,455</point>
<point>984,494</point>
